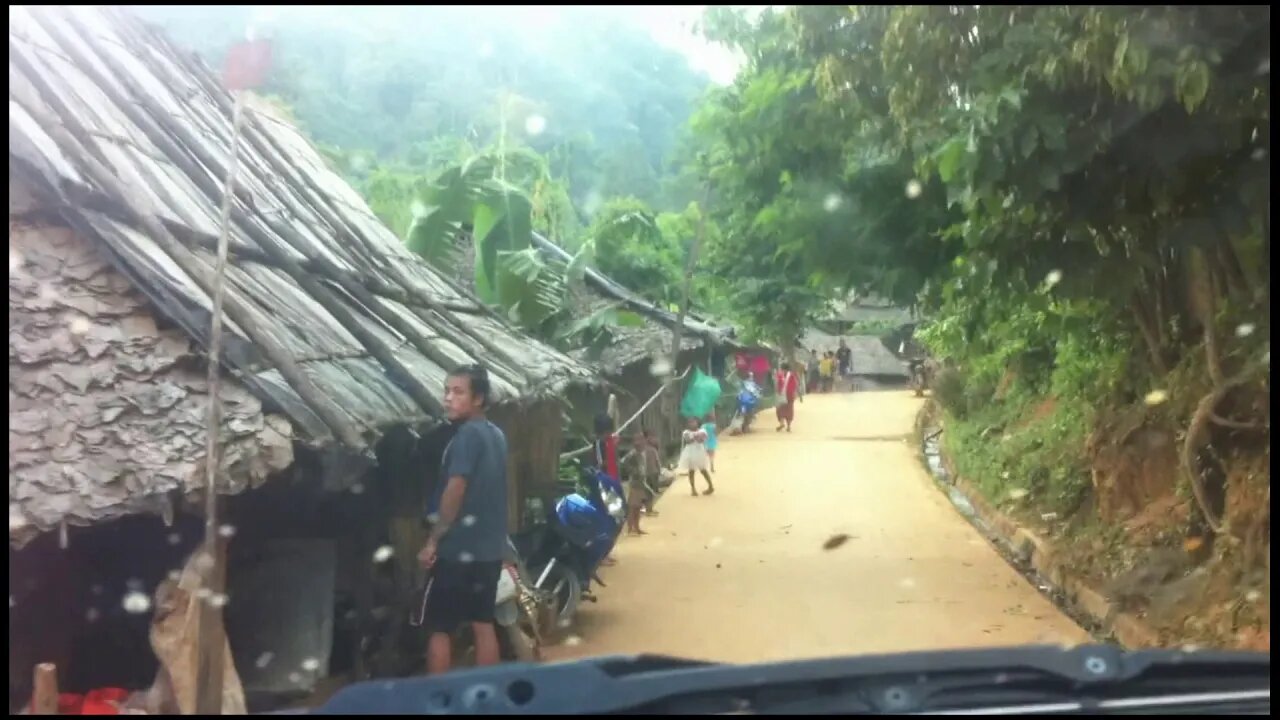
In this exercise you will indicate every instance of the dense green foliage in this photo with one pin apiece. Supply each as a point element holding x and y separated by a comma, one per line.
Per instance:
<point>1077,193</point>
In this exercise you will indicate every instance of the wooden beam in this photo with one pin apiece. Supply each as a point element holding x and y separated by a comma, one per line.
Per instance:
<point>44,690</point>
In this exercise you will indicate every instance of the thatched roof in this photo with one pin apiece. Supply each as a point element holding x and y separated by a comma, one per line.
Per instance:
<point>643,342</point>
<point>631,344</point>
<point>330,318</point>
<point>118,149</point>
<point>870,309</point>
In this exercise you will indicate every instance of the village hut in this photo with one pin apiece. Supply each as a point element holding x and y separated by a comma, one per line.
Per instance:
<point>336,344</point>
<point>636,361</point>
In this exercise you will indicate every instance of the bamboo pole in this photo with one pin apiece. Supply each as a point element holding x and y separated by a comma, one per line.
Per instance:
<point>44,690</point>
<point>211,640</point>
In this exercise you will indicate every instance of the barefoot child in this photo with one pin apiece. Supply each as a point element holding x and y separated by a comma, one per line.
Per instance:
<point>642,467</point>
<point>710,428</point>
<point>693,455</point>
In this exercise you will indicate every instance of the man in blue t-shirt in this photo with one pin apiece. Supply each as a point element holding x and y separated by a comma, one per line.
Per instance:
<point>468,539</point>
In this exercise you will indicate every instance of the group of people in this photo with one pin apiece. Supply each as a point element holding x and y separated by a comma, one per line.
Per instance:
<point>823,369</point>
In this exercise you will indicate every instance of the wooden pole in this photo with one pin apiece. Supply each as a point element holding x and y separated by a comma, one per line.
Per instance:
<point>211,637</point>
<point>677,332</point>
<point>44,690</point>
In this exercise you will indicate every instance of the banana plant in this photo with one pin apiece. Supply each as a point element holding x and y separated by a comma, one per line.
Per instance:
<point>467,204</point>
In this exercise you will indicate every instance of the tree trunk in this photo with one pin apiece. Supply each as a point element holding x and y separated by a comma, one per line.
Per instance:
<point>1150,336</point>
<point>690,263</point>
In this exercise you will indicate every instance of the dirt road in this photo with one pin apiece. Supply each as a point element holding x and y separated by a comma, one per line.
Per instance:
<point>742,575</point>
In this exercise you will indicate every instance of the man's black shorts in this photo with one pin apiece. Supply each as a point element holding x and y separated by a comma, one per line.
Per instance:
<point>461,593</point>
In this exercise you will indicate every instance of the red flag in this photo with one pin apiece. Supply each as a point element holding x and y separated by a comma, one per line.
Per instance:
<point>247,65</point>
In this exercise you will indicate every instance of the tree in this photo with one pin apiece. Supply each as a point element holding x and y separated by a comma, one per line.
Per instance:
<point>1103,164</point>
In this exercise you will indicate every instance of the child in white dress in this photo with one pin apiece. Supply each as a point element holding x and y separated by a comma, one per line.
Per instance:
<point>693,455</point>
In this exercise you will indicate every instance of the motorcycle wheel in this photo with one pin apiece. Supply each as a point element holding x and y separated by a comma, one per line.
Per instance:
<point>565,589</point>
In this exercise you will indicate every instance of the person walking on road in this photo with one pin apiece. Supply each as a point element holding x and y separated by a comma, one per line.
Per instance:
<point>788,388</point>
<point>693,456</point>
<point>844,359</point>
<point>813,372</point>
<point>827,370</point>
<point>468,537</point>
<point>710,428</point>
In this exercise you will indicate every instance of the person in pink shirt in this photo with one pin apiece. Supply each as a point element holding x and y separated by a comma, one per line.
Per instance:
<point>788,388</point>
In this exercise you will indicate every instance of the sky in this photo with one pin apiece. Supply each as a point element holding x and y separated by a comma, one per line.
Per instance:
<point>670,25</point>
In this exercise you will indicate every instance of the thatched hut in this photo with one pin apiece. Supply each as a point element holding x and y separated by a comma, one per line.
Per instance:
<point>336,344</point>
<point>635,363</point>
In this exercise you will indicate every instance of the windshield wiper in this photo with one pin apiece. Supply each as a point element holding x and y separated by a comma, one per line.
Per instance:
<point>1027,680</point>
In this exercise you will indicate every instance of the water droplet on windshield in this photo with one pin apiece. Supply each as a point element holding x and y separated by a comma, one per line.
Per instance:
<point>78,325</point>
<point>1156,397</point>
<point>715,542</point>
<point>468,520</point>
<point>535,124</point>
<point>383,554</point>
<point>264,660</point>
<point>92,615</point>
<point>831,203</point>
<point>465,557</point>
<point>203,562</point>
<point>1244,330</point>
<point>227,531</point>
<point>1053,278</point>
<point>1017,493</point>
<point>433,518</point>
<point>136,603</point>
<point>174,538</point>
<point>218,600</point>
<point>311,664</point>
<point>295,678</point>
<point>573,641</point>
<point>591,202</point>
<point>357,489</point>
<point>660,367</point>
<point>914,189</point>
<point>417,209</point>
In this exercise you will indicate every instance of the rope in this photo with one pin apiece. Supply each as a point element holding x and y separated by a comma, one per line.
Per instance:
<point>633,418</point>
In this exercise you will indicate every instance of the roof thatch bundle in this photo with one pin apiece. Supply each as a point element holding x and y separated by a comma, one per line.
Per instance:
<point>121,142</point>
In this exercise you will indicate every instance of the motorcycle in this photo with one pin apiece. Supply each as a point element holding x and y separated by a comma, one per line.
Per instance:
<point>918,375</point>
<point>748,404</point>
<point>519,616</point>
<point>565,552</point>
